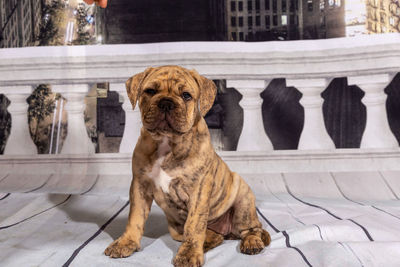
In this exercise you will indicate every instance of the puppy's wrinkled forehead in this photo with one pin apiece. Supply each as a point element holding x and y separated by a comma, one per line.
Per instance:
<point>170,78</point>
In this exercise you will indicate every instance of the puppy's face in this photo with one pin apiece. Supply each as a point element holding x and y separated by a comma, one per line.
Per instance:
<point>168,101</point>
<point>171,99</point>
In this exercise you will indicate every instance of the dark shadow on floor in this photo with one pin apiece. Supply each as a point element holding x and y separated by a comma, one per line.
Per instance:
<point>155,227</point>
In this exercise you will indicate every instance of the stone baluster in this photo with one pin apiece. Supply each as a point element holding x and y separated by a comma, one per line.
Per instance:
<point>377,132</point>
<point>133,122</point>
<point>77,140</point>
<point>19,140</point>
<point>253,136</point>
<point>314,134</point>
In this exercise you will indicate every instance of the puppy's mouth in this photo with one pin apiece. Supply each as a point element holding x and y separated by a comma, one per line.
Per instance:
<point>165,123</point>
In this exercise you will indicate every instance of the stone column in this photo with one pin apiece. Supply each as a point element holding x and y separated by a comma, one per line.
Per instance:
<point>77,140</point>
<point>133,122</point>
<point>253,136</point>
<point>19,141</point>
<point>377,132</point>
<point>314,134</point>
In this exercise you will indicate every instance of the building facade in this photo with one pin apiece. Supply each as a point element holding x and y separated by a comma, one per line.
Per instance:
<point>262,20</point>
<point>146,21</point>
<point>383,16</point>
<point>19,22</point>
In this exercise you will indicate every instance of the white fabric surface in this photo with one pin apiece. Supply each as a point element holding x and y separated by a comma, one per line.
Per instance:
<point>315,219</point>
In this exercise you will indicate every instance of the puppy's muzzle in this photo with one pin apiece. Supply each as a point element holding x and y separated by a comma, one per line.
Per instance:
<point>166,105</point>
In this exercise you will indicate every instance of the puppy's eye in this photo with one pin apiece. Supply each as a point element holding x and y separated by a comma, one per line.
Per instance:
<point>186,96</point>
<point>150,91</point>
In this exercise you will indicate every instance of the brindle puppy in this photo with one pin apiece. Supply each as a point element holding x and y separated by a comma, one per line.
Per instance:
<point>175,164</point>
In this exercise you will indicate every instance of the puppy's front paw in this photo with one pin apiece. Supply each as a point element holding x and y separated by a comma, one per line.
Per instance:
<point>121,248</point>
<point>251,245</point>
<point>189,256</point>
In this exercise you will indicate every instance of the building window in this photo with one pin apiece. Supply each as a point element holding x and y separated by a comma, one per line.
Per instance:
<point>267,21</point>
<point>284,6</point>
<point>284,20</point>
<point>257,5</point>
<point>336,3</point>
<point>274,6</point>
<point>241,36</point>
<point>240,7</point>
<point>275,20</point>
<point>391,21</point>
<point>234,37</point>
<point>233,6</point>
<point>383,18</point>
<point>292,5</point>
<point>250,5</point>
<point>291,19</point>
<point>266,4</point>
<point>233,21</point>
<point>310,5</point>
<point>321,5</point>
<point>258,22</point>
<point>370,26</point>
<point>240,21</point>
<point>382,4</point>
<point>250,21</point>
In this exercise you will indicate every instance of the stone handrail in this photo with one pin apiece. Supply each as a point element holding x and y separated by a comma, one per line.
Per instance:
<point>367,61</point>
<point>328,58</point>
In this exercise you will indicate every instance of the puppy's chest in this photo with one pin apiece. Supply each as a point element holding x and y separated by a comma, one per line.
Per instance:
<point>161,177</point>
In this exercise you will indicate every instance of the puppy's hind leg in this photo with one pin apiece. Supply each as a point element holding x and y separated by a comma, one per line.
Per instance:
<point>213,240</point>
<point>246,224</point>
<point>175,230</point>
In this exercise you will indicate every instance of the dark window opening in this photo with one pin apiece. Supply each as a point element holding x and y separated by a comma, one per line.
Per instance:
<point>234,37</point>
<point>310,5</point>
<point>267,21</point>
<point>233,21</point>
<point>249,5</point>
<point>274,6</point>
<point>233,6</point>
<point>250,21</point>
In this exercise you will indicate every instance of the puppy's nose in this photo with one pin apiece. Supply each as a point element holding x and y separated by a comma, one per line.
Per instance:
<point>166,105</point>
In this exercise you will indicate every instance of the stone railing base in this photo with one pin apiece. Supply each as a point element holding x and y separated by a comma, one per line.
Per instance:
<point>111,173</point>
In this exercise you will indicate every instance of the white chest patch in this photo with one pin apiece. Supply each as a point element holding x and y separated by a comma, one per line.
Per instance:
<point>158,175</point>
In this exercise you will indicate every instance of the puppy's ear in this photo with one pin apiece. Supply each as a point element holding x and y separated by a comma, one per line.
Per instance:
<point>208,91</point>
<point>133,85</point>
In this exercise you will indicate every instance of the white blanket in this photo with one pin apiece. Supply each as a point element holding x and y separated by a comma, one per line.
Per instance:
<point>315,219</point>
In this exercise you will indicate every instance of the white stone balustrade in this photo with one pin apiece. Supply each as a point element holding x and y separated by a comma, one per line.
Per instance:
<point>19,142</point>
<point>377,132</point>
<point>307,65</point>
<point>133,123</point>
<point>253,137</point>
<point>77,140</point>
<point>314,134</point>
